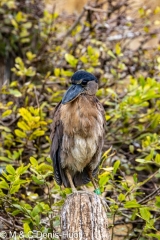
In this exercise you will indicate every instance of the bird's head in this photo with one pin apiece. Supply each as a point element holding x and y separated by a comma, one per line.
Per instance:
<point>82,81</point>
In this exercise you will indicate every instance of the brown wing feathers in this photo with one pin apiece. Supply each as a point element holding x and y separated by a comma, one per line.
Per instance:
<point>56,138</point>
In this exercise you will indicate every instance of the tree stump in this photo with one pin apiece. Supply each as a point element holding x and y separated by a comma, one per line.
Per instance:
<point>83,217</point>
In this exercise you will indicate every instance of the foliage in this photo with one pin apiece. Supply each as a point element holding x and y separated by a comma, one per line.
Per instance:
<point>46,50</point>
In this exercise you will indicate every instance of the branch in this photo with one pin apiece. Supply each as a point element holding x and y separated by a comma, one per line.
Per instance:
<point>74,25</point>
<point>94,9</point>
<point>150,196</point>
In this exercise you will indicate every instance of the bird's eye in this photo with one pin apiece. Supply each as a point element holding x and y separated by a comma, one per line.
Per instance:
<point>84,82</point>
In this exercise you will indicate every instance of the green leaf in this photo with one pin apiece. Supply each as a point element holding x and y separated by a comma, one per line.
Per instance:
<point>26,227</point>
<point>71,59</point>
<point>15,212</point>
<point>19,61</point>
<point>5,159</point>
<point>10,169</point>
<point>22,169</point>
<point>110,53</point>
<point>104,178</point>
<point>66,73</point>
<point>15,92</point>
<point>7,113</point>
<point>27,25</point>
<point>4,184</point>
<point>37,219</point>
<point>36,210</point>
<point>157,10</point>
<point>20,134</point>
<point>93,53</point>
<point>57,72</point>
<point>6,129</point>
<point>10,4</point>
<point>121,197</point>
<point>155,120</point>
<point>14,23</point>
<point>45,167</point>
<point>23,126</point>
<point>14,189</point>
<point>26,114</point>
<point>131,148</point>
<point>20,17</point>
<point>18,207</point>
<point>33,161</point>
<point>140,160</point>
<point>37,181</point>
<point>37,133</point>
<point>30,72</point>
<point>10,178</point>
<point>157,158</point>
<point>116,166</point>
<point>158,201</point>
<point>145,213</point>
<point>84,59</point>
<point>135,177</point>
<point>132,204</point>
<point>118,49</point>
<point>149,157</point>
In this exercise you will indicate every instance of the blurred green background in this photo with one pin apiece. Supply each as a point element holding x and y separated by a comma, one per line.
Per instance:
<point>41,45</point>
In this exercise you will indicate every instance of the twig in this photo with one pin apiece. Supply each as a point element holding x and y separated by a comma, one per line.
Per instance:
<point>101,3</point>
<point>74,25</point>
<point>36,97</point>
<point>129,35</point>
<point>7,222</point>
<point>128,222</point>
<point>9,124</point>
<point>41,50</point>
<point>150,196</point>
<point>94,9</point>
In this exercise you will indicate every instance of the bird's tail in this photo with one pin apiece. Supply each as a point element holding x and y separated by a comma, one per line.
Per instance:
<point>59,172</point>
<point>81,178</point>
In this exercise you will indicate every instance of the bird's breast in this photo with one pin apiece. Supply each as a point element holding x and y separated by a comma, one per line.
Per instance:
<point>83,127</point>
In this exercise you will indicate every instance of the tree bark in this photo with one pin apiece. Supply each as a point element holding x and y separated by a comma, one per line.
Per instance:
<point>84,217</point>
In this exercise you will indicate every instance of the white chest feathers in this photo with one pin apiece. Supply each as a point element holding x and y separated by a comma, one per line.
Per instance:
<point>83,150</point>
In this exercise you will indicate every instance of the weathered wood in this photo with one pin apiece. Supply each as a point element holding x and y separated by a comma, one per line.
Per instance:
<point>83,217</point>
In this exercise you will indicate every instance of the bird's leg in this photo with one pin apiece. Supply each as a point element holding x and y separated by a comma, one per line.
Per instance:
<point>92,179</point>
<point>70,181</point>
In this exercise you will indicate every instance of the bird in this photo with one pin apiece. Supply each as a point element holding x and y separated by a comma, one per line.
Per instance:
<point>77,133</point>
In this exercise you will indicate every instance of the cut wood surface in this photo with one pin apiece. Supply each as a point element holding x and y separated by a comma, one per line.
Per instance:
<point>84,217</point>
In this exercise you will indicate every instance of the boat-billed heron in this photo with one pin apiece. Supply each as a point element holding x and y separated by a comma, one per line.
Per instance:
<point>77,133</point>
